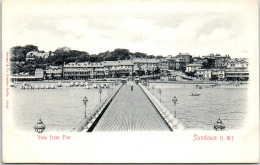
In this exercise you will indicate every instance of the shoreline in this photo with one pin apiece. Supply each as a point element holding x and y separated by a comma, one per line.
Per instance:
<point>200,82</point>
<point>165,82</point>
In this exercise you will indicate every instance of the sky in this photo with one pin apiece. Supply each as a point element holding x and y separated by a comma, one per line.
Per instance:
<point>154,27</point>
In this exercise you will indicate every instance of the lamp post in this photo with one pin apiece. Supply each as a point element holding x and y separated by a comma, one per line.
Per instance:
<point>85,100</point>
<point>108,89</point>
<point>219,126</point>
<point>160,91</point>
<point>39,127</point>
<point>100,91</point>
<point>174,100</point>
<point>153,89</point>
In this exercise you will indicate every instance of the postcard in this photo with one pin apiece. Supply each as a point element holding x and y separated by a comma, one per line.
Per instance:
<point>130,81</point>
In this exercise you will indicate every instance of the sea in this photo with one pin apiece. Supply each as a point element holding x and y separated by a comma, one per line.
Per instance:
<point>228,103</point>
<point>62,108</point>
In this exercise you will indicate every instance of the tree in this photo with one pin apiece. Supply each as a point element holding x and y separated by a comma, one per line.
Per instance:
<point>18,53</point>
<point>151,56</point>
<point>62,50</point>
<point>15,68</point>
<point>117,54</point>
<point>29,48</point>
<point>209,64</point>
<point>104,56</point>
<point>157,70</point>
<point>93,58</point>
<point>139,55</point>
<point>159,57</point>
<point>182,68</point>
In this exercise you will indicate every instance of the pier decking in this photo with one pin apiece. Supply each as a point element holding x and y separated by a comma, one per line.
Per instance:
<point>131,111</point>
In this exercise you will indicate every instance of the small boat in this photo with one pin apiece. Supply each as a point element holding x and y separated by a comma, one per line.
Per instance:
<point>13,85</point>
<point>52,86</point>
<point>23,86</point>
<point>47,86</point>
<point>195,94</point>
<point>86,83</point>
<point>82,84</point>
<point>59,84</point>
<point>42,87</point>
<point>76,84</point>
<point>71,84</point>
<point>87,87</point>
<point>36,87</point>
<point>94,85</point>
<point>101,85</point>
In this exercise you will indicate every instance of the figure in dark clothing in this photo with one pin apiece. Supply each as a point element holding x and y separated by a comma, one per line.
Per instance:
<point>132,88</point>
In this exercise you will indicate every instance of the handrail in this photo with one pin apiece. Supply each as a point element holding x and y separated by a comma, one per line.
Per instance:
<point>97,110</point>
<point>172,122</point>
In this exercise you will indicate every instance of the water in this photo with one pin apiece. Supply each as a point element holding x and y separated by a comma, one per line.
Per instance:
<point>62,108</point>
<point>201,112</point>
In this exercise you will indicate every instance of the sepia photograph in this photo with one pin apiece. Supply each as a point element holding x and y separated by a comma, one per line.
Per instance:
<point>130,82</point>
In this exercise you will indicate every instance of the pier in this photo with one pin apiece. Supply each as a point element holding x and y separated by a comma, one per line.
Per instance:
<point>129,110</point>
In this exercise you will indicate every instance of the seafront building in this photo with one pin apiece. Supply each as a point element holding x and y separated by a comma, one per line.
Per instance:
<point>39,73</point>
<point>145,65</point>
<point>53,72</point>
<point>221,61</point>
<point>186,56</point>
<point>211,67</point>
<point>37,54</point>
<point>191,68</point>
<point>218,74</point>
<point>108,69</point>
<point>83,70</point>
<point>237,69</point>
<point>118,68</point>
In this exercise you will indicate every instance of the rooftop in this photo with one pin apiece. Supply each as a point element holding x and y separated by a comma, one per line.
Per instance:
<point>145,60</point>
<point>85,64</point>
<point>54,67</point>
<point>37,54</point>
<point>238,60</point>
<point>183,54</point>
<point>193,65</point>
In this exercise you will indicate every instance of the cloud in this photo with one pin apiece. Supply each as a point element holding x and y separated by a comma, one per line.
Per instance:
<point>75,25</point>
<point>159,29</point>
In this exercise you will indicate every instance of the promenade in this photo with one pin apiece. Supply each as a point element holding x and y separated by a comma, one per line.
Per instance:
<point>131,111</point>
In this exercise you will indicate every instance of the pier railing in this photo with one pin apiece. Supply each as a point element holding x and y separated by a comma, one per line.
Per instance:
<point>173,122</point>
<point>88,123</point>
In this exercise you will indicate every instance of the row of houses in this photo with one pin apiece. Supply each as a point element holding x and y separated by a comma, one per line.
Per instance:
<point>30,56</point>
<point>212,67</point>
<point>105,69</point>
<point>233,69</point>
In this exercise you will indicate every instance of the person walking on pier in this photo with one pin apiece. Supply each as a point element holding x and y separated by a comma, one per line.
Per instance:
<point>132,88</point>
